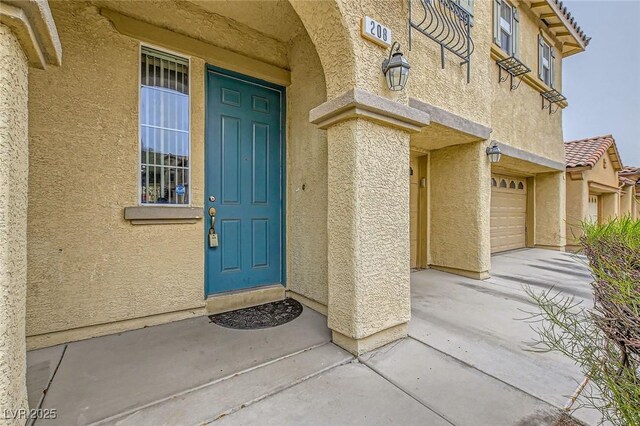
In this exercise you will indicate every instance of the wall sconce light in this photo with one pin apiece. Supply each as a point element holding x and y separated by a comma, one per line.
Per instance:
<point>494,153</point>
<point>396,68</point>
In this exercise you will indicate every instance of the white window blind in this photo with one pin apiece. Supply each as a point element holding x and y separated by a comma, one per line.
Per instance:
<point>164,128</point>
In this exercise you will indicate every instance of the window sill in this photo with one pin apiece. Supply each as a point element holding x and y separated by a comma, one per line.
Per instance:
<point>162,215</point>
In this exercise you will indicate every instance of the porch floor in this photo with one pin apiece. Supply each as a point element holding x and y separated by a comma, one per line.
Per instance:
<point>464,363</point>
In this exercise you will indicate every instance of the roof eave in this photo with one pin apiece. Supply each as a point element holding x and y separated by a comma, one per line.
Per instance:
<point>573,39</point>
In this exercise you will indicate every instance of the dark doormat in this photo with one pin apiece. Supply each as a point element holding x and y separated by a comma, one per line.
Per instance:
<point>262,316</point>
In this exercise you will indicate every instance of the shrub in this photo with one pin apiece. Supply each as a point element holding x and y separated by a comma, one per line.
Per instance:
<point>604,340</point>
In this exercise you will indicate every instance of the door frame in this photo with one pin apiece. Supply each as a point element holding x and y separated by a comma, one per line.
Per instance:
<point>283,167</point>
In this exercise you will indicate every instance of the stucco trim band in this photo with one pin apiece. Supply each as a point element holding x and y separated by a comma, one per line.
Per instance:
<point>33,25</point>
<point>476,275</point>
<point>83,333</point>
<point>548,247</point>
<point>602,188</point>
<point>520,154</point>
<point>369,343</point>
<point>214,55</point>
<point>155,215</point>
<point>230,301</point>
<point>358,103</point>
<point>451,120</point>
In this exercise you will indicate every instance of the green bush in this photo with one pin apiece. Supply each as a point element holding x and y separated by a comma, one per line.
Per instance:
<point>604,340</point>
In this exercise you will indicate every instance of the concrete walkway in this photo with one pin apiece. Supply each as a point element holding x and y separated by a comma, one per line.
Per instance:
<point>465,363</point>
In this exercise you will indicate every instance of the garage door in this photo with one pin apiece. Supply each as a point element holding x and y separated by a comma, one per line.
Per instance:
<point>508,212</point>
<point>593,208</point>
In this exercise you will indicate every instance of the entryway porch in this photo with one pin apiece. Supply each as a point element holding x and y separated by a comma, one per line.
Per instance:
<point>465,362</point>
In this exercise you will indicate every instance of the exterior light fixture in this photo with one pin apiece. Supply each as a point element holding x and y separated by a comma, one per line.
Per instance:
<point>494,153</point>
<point>395,69</point>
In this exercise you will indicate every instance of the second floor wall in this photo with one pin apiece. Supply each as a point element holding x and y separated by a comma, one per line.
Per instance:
<point>515,116</point>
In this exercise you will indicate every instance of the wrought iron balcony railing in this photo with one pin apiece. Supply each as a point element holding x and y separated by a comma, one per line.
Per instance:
<point>446,23</point>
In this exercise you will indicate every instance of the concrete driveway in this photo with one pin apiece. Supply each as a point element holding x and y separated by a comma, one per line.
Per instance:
<point>465,363</point>
<point>469,356</point>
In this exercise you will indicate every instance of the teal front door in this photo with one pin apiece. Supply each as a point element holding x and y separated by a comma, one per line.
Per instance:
<point>244,182</point>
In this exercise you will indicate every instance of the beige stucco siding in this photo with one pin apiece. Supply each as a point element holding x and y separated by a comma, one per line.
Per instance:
<point>603,172</point>
<point>577,208</point>
<point>368,198</point>
<point>627,198</point>
<point>88,266</point>
<point>550,196</point>
<point>600,180</point>
<point>186,18</point>
<point>306,176</point>
<point>460,208</point>
<point>517,117</point>
<point>14,165</point>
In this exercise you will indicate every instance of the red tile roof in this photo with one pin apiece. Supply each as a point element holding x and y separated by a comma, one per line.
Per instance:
<point>572,22</point>
<point>630,170</point>
<point>626,181</point>
<point>587,152</point>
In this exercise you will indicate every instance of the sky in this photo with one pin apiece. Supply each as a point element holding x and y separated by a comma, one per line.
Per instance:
<point>602,84</point>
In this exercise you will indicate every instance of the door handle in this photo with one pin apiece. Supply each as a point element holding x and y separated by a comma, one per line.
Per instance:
<point>213,237</point>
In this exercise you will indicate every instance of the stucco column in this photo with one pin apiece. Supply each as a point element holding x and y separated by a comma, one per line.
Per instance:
<point>610,206</point>
<point>626,201</point>
<point>577,208</point>
<point>368,233</point>
<point>550,205</point>
<point>368,217</point>
<point>14,167</point>
<point>460,206</point>
<point>27,38</point>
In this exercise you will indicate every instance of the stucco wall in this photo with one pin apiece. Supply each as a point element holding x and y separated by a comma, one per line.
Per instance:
<point>89,267</point>
<point>368,226</point>
<point>517,117</point>
<point>550,213</point>
<point>14,165</point>
<point>577,208</point>
<point>626,201</point>
<point>610,206</point>
<point>460,205</point>
<point>603,172</point>
<point>306,175</point>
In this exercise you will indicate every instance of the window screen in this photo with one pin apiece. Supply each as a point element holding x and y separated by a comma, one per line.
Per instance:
<point>164,128</point>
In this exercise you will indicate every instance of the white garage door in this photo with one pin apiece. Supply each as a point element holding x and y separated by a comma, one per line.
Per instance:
<point>593,208</point>
<point>508,212</point>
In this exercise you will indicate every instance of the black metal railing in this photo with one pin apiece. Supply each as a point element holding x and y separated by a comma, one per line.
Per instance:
<point>514,68</point>
<point>446,23</point>
<point>552,97</point>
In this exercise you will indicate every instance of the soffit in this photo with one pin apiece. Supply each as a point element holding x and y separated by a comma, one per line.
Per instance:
<point>274,18</point>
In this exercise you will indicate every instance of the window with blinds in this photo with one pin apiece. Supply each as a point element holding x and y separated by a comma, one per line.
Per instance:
<point>164,128</point>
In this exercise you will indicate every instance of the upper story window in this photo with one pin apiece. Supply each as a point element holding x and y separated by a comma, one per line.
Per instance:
<point>164,128</point>
<point>506,27</point>
<point>466,5</point>
<point>546,60</point>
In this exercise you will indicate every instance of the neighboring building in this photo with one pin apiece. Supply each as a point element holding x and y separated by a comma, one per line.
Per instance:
<point>327,185</point>
<point>593,187</point>
<point>630,191</point>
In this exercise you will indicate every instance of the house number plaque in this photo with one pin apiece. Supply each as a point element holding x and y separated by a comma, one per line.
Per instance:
<point>374,31</point>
